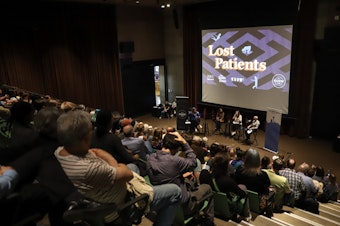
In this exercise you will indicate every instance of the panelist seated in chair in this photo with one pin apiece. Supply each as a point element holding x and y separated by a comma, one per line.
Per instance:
<point>194,118</point>
<point>98,176</point>
<point>236,122</point>
<point>219,119</point>
<point>252,127</point>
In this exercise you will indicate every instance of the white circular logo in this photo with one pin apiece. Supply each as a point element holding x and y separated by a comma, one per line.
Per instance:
<point>279,81</point>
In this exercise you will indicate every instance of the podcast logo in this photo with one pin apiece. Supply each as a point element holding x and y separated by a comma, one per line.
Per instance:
<point>247,50</point>
<point>279,81</point>
<point>216,36</point>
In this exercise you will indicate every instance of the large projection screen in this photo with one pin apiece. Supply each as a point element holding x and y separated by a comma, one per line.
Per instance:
<point>247,67</point>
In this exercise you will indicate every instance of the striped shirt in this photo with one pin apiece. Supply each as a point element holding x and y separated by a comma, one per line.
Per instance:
<point>94,178</point>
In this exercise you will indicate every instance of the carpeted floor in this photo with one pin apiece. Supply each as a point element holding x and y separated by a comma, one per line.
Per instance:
<point>311,151</point>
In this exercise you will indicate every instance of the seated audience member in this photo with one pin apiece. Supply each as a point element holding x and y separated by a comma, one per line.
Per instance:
<point>194,118</point>
<point>252,127</point>
<point>157,139</point>
<point>295,182</point>
<point>133,143</point>
<point>283,194</point>
<point>23,137</point>
<point>251,175</point>
<point>98,176</point>
<point>104,139</point>
<point>166,112</point>
<point>266,162</point>
<point>320,175</point>
<point>331,189</point>
<point>225,184</point>
<point>54,190</point>
<point>238,161</point>
<point>236,122</point>
<point>219,119</point>
<point>116,122</point>
<point>318,185</point>
<point>309,202</point>
<point>137,146</point>
<point>165,166</point>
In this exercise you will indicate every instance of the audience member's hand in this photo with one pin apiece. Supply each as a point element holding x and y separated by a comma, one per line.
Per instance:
<point>179,137</point>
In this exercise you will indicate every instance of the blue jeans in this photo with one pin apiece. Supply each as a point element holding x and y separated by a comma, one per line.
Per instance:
<point>166,200</point>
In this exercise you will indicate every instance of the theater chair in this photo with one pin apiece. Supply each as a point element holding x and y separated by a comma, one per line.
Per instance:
<point>130,213</point>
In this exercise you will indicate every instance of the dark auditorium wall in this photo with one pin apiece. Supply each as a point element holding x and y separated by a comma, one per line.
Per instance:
<point>68,51</point>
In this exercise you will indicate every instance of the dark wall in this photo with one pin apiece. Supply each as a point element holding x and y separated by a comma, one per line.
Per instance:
<point>325,121</point>
<point>138,87</point>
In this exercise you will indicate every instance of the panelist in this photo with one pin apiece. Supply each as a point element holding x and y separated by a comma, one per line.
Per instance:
<point>194,118</point>
<point>252,127</point>
<point>236,122</point>
<point>219,119</point>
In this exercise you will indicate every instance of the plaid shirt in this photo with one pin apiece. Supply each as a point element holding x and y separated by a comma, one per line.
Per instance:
<point>295,182</point>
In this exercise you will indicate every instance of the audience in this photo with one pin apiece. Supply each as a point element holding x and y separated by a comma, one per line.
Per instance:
<point>97,174</point>
<point>35,155</point>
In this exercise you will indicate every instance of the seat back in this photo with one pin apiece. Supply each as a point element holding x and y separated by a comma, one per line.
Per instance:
<point>181,219</point>
<point>130,212</point>
<point>221,206</point>
<point>254,202</point>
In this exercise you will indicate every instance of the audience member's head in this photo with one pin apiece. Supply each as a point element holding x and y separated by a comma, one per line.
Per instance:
<point>220,163</point>
<point>277,165</point>
<point>266,162</point>
<point>290,163</point>
<point>45,122</point>
<point>303,168</point>
<point>68,106</point>
<point>74,131</point>
<point>128,131</point>
<point>103,122</point>
<point>252,162</point>
<point>320,172</point>
<point>22,112</point>
<point>170,142</point>
<point>239,153</point>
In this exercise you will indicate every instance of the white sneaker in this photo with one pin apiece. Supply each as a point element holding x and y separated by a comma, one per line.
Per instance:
<point>233,133</point>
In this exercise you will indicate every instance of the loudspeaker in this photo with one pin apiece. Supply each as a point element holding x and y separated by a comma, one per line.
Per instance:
<point>182,112</point>
<point>175,17</point>
<point>126,47</point>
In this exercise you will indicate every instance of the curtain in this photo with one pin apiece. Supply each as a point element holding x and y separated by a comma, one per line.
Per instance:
<point>67,51</point>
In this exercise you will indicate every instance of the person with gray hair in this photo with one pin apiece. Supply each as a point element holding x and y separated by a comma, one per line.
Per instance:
<point>98,175</point>
<point>251,175</point>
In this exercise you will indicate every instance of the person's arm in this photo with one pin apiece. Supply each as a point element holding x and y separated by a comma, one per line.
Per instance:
<point>8,178</point>
<point>107,157</point>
